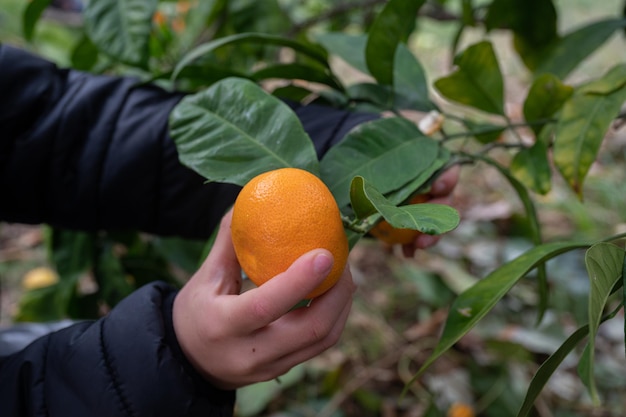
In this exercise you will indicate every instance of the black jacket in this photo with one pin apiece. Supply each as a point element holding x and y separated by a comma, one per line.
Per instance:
<point>93,153</point>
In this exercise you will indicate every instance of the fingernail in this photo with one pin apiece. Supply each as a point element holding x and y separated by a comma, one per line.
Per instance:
<point>322,264</point>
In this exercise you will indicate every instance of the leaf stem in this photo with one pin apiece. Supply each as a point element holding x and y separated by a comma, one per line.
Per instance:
<point>356,225</point>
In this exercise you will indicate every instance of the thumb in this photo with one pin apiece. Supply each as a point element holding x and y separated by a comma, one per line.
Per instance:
<point>221,269</point>
<point>277,296</point>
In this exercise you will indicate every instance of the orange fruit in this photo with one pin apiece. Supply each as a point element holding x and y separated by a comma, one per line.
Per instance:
<point>282,214</point>
<point>385,232</point>
<point>460,410</point>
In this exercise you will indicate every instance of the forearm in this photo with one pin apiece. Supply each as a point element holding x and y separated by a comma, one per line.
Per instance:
<point>93,152</point>
<point>127,363</point>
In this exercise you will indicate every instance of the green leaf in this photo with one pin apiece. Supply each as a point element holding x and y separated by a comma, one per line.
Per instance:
<point>477,82</point>
<point>296,71</point>
<point>382,97</point>
<point>550,365</point>
<point>582,125</point>
<point>350,48</point>
<point>421,183</point>
<point>85,54</point>
<point>392,26</point>
<point>234,130</point>
<point>316,53</point>
<point>409,81</point>
<point>432,219</point>
<point>410,88</point>
<point>534,21</point>
<point>531,167</point>
<point>613,81</point>
<point>31,16</point>
<point>121,28</point>
<point>605,263</point>
<point>292,92</point>
<point>202,16</point>
<point>388,152</point>
<point>545,97</point>
<point>564,55</point>
<point>253,399</point>
<point>474,303</point>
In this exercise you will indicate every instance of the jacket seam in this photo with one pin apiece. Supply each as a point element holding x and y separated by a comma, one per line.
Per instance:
<point>125,403</point>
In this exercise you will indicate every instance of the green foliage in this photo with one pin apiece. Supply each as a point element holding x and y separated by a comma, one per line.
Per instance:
<point>229,56</point>
<point>223,143</point>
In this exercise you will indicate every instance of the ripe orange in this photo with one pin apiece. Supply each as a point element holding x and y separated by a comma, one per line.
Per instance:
<point>280,215</point>
<point>460,410</point>
<point>385,232</point>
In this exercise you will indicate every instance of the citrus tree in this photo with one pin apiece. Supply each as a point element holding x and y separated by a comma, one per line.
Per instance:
<point>256,55</point>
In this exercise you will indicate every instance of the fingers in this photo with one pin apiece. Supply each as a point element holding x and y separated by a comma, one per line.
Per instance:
<point>300,334</point>
<point>261,306</point>
<point>315,324</point>
<point>446,182</point>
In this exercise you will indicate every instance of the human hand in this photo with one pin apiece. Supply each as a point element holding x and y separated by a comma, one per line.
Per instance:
<point>440,193</point>
<point>236,339</point>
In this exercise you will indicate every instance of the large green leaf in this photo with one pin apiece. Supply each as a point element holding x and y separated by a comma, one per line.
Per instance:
<point>605,264</point>
<point>583,122</point>
<point>565,54</point>
<point>315,52</point>
<point>121,28</point>
<point>432,219</point>
<point>477,82</point>
<point>387,152</point>
<point>474,303</point>
<point>545,97</point>
<point>392,26</point>
<point>234,130</point>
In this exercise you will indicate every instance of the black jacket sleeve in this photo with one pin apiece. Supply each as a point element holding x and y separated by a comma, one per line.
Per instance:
<point>125,364</point>
<point>93,152</point>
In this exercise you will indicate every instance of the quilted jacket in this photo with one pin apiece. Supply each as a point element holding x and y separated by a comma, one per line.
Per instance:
<point>92,152</point>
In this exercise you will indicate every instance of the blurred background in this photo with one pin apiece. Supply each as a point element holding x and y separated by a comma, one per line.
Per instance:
<point>401,302</point>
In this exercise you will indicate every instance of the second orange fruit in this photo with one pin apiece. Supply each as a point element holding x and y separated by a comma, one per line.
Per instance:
<point>385,232</point>
<point>282,214</point>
